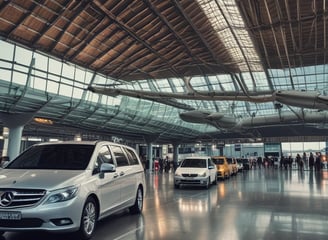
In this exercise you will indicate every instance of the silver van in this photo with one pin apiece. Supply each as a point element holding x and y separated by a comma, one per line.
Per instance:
<point>69,186</point>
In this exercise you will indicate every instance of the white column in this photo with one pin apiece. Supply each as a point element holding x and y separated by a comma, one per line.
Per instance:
<point>15,137</point>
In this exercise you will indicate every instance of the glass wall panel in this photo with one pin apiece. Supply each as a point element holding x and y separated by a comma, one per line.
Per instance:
<point>65,90</point>
<point>19,78</point>
<point>38,83</point>
<point>41,62</point>
<point>7,51</point>
<point>4,73</point>
<point>77,93</point>
<point>68,71</point>
<point>55,66</point>
<point>23,56</point>
<point>52,87</point>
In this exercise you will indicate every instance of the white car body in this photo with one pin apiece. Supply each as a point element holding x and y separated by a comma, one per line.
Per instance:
<point>54,196</point>
<point>196,175</point>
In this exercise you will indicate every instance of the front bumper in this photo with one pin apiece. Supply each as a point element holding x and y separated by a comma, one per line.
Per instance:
<point>56,217</point>
<point>191,181</point>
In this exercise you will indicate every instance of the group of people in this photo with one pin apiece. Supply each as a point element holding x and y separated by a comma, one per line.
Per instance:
<point>162,165</point>
<point>300,162</point>
<point>313,162</point>
<point>159,164</point>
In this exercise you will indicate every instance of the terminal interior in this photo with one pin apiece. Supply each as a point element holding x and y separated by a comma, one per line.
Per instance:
<point>244,79</point>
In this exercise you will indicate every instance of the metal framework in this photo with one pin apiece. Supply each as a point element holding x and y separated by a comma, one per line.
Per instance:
<point>130,68</point>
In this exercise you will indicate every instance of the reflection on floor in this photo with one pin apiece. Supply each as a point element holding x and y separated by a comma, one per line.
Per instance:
<point>255,204</point>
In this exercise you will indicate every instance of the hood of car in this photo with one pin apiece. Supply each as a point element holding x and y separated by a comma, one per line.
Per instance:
<point>40,179</point>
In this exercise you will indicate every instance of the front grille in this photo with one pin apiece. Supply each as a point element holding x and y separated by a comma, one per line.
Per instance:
<point>23,223</point>
<point>189,175</point>
<point>15,198</point>
<point>185,181</point>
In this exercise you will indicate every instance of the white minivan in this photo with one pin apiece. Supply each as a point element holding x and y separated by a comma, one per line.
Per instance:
<point>69,186</point>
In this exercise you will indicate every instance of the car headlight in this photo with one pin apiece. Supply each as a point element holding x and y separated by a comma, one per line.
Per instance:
<point>203,174</point>
<point>177,174</point>
<point>62,195</point>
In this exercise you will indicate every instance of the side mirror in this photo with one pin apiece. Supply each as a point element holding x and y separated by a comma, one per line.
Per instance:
<point>107,167</point>
<point>210,167</point>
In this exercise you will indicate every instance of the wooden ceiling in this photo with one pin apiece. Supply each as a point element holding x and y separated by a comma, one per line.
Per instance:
<point>131,40</point>
<point>125,39</point>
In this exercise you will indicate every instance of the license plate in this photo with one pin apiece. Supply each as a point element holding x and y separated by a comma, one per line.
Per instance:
<point>10,215</point>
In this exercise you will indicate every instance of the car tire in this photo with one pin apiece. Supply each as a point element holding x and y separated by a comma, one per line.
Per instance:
<point>176,186</point>
<point>88,219</point>
<point>208,183</point>
<point>215,182</point>
<point>138,203</point>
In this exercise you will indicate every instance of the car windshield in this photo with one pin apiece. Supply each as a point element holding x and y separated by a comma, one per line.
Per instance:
<point>194,163</point>
<point>219,161</point>
<point>229,160</point>
<point>56,156</point>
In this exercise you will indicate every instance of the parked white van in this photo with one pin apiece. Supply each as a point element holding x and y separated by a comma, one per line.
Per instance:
<point>69,186</point>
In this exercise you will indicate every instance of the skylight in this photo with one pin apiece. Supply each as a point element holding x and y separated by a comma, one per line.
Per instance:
<point>226,20</point>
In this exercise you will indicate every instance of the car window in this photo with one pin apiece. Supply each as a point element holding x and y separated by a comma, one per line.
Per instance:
<point>195,163</point>
<point>120,157</point>
<point>219,161</point>
<point>55,156</point>
<point>104,156</point>
<point>133,159</point>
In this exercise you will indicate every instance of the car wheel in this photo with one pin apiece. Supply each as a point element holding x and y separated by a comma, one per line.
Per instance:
<point>208,183</point>
<point>88,219</point>
<point>2,232</point>
<point>138,203</point>
<point>176,186</point>
<point>215,182</point>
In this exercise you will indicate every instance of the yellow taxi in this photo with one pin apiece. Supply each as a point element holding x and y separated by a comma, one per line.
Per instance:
<point>222,166</point>
<point>233,165</point>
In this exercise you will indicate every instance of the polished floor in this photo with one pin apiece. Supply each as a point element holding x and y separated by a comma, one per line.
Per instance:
<point>255,204</point>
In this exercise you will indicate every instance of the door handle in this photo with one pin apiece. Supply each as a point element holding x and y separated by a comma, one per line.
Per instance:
<point>122,173</point>
<point>115,175</point>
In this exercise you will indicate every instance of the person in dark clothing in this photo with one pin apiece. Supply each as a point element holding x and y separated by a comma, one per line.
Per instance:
<point>259,162</point>
<point>311,161</point>
<point>318,162</point>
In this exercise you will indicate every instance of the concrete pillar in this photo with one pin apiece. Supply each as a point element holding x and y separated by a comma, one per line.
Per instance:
<point>175,154</point>
<point>15,123</point>
<point>14,144</point>
<point>150,156</point>
<point>5,135</point>
<point>149,140</point>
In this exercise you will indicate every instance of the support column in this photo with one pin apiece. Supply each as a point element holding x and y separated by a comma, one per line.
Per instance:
<point>150,156</point>
<point>5,135</point>
<point>149,140</point>
<point>14,143</point>
<point>175,155</point>
<point>15,123</point>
